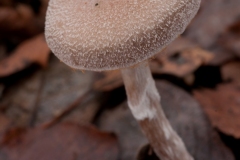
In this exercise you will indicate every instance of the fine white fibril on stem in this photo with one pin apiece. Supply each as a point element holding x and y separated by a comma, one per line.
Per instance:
<point>144,102</point>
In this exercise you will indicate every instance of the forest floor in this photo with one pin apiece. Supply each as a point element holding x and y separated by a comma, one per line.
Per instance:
<point>49,111</point>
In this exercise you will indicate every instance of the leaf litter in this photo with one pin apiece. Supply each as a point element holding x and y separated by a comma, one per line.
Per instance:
<point>31,51</point>
<point>211,39</point>
<point>61,142</point>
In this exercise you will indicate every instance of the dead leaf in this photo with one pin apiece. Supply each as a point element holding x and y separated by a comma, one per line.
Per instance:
<point>85,116</point>
<point>62,142</point>
<point>230,72</point>
<point>31,51</point>
<point>16,20</point>
<point>181,58</point>
<point>181,63</point>
<point>62,86</point>
<point>47,96</point>
<point>222,106</point>
<point>49,92</point>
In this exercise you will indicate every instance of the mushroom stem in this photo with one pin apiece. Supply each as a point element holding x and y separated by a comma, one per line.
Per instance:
<point>144,102</point>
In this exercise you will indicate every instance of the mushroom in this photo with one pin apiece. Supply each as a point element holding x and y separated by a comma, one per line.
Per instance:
<point>102,35</point>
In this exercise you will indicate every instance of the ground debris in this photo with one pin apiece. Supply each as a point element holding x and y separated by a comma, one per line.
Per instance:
<point>222,106</point>
<point>31,51</point>
<point>61,142</point>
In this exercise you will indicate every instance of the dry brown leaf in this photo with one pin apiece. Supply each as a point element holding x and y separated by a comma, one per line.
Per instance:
<point>62,142</point>
<point>180,58</point>
<point>34,50</point>
<point>19,20</point>
<point>45,94</point>
<point>230,72</point>
<point>222,107</point>
<point>61,87</point>
<point>182,63</point>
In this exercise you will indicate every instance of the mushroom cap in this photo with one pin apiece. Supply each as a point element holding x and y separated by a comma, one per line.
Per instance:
<point>103,35</point>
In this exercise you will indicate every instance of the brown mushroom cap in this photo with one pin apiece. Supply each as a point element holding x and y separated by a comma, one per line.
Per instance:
<point>111,34</point>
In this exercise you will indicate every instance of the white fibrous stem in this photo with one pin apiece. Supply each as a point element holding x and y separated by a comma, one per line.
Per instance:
<point>144,102</point>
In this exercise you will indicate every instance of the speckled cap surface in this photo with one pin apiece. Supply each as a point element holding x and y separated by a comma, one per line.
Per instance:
<point>103,35</point>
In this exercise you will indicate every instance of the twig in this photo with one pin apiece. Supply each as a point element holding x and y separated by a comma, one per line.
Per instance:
<point>36,104</point>
<point>67,110</point>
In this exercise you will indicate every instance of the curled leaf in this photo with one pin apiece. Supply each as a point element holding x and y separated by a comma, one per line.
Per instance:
<point>31,51</point>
